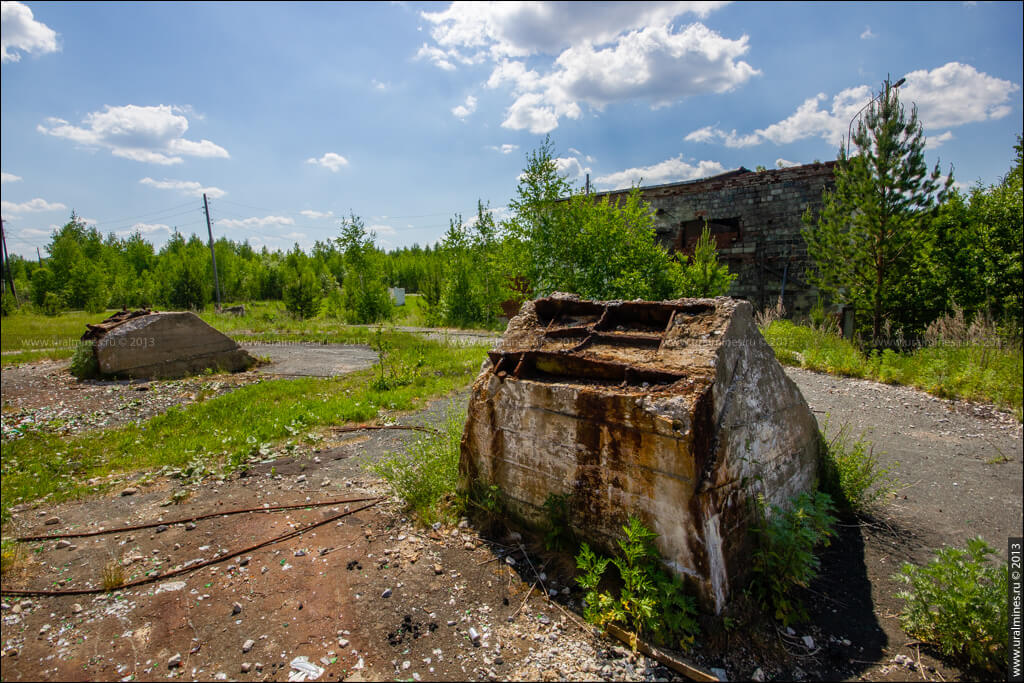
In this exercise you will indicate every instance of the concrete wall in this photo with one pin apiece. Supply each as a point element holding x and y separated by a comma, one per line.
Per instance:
<point>756,219</point>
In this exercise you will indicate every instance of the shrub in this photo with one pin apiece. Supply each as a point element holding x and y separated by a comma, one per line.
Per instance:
<point>302,295</point>
<point>83,363</point>
<point>651,600</point>
<point>51,303</point>
<point>851,473</point>
<point>784,558</point>
<point>957,602</point>
<point>426,474</point>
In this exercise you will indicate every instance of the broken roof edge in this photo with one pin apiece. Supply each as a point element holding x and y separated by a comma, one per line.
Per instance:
<point>742,171</point>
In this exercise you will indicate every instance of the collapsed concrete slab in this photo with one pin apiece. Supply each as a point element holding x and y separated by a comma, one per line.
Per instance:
<point>144,344</point>
<point>676,411</point>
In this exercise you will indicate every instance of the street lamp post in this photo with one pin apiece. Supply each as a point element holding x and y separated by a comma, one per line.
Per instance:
<point>849,129</point>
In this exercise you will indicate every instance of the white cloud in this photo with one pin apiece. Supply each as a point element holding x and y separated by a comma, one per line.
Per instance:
<point>381,229</point>
<point>783,163</point>
<point>867,34</point>
<point>655,64</point>
<point>34,233</point>
<point>381,86</point>
<point>464,110</point>
<point>604,53</point>
<point>504,149</point>
<point>255,222</point>
<point>187,187</point>
<point>309,213</point>
<point>6,177</point>
<point>147,134</point>
<point>572,168</point>
<point>668,171</point>
<point>331,161</point>
<point>31,206</point>
<point>951,95</point>
<point>20,31</point>
<point>519,29</point>
<point>145,229</point>
<point>936,141</point>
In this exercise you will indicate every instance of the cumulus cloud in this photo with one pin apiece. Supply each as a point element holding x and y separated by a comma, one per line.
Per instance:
<point>255,222</point>
<point>607,53</point>
<point>31,206</point>
<point>936,141</point>
<point>187,187</point>
<point>504,149</point>
<point>331,161</point>
<point>572,168</point>
<point>6,177</point>
<point>145,229</point>
<point>465,109</point>
<point>146,134</point>
<point>951,95</point>
<point>309,213</point>
<point>783,163</point>
<point>668,171</point>
<point>19,30</point>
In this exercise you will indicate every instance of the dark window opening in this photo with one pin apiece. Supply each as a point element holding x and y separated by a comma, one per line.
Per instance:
<point>725,232</point>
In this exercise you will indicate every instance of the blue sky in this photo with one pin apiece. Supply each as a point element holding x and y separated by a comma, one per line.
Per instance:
<point>291,115</point>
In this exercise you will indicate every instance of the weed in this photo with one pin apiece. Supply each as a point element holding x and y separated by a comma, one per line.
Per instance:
<point>12,555</point>
<point>426,474</point>
<point>113,575</point>
<point>557,533</point>
<point>851,472</point>
<point>83,362</point>
<point>784,558</point>
<point>651,600</point>
<point>957,602</point>
<point>394,372</point>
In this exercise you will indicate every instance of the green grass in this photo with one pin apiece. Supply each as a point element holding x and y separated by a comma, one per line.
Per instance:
<point>425,476</point>
<point>974,372</point>
<point>229,428</point>
<point>23,331</point>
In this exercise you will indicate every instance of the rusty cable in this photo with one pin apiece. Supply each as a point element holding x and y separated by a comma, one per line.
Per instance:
<point>137,527</point>
<point>192,568</point>
<point>358,428</point>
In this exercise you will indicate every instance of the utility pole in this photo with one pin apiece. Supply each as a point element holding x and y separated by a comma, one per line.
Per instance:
<point>588,183</point>
<point>7,262</point>
<point>213,255</point>
<point>39,257</point>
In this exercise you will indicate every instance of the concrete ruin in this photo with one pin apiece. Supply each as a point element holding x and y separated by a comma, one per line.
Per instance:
<point>674,410</point>
<point>145,344</point>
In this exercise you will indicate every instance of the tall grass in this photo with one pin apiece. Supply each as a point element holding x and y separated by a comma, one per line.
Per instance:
<point>425,475</point>
<point>972,371</point>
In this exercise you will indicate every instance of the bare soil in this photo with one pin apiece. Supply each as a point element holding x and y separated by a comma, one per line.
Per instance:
<point>371,596</point>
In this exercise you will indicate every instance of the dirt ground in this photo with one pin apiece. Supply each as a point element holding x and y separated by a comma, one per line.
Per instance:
<point>369,596</point>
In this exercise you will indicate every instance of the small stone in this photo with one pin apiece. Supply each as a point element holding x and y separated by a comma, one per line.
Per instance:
<point>174,661</point>
<point>438,569</point>
<point>63,543</point>
<point>510,561</point>
<point>243,562</point>
<point>52,520</point>
<point>452,622</point>
<point>386,593</point>
<point>189,526</point>
<point>720,674</point>
<point>342,642</point>
<point>245,668</point>
<point>162,528</point>
<point>301,478</point>
<point>469,545</point>
<point>473,635</point>
<point>11,652</point>
<point>44,628</point>
<point>758,676</point>
<point>300,553</point>
<point>248,645</point>
<point>463,523</point>
<point>130,491</point>
<point>76,608</point>
<point>236,608</point>
<point>808,642</point>
<point>406,664</point>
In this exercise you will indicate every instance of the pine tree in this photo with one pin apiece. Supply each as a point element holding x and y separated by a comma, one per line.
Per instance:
<point>874,232</point>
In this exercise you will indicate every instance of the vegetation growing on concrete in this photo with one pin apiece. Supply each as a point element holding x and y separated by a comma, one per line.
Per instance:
<point>851,473</point>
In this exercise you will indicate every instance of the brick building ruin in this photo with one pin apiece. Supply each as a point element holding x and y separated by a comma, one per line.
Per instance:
<point>755,218</point>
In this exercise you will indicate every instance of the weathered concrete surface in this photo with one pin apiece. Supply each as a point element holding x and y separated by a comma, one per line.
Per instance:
<point>163,345</point>
<point>676,411</point>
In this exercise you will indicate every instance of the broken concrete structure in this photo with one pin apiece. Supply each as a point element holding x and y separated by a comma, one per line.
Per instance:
<point>755,218</point>
<point>675,410</point>
<point>144,344</point>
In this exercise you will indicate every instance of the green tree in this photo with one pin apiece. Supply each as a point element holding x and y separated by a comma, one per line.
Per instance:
<point>302,294</point>
<point>364,291</point>
<point>874,232</point>
<point>703,275</point>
